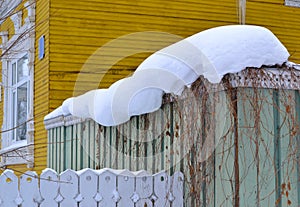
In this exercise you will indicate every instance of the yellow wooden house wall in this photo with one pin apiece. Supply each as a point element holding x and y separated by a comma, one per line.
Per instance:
<point>78,29</point>
<point>283,20</point>
<point>74,31</point>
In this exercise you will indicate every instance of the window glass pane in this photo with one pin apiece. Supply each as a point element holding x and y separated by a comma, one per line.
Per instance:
<point>22,111</point>
<point>14,73</point>
<point>22,68</point>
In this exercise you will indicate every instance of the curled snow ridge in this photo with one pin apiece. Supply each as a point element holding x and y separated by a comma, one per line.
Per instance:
<point>211,53</point>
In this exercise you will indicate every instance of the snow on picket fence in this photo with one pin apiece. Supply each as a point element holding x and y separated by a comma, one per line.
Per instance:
<point>89,187</point>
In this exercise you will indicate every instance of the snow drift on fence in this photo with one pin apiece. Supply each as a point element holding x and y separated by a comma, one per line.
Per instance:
<point>211,53</point>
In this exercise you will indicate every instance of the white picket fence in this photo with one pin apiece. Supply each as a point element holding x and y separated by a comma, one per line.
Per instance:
<point>89,188</point>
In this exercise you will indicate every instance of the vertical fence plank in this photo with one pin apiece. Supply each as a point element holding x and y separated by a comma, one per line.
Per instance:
<point>69,183</point>
<point>58,149</point>
<point>97,146</point>
<point>9,193</point>
<point>114,148</point>
<point>150,156</point>
<point>149,143</point>
<point>177,189</point>
<point>49,149</point>
<point>297,140</point>
<point>126,189</point>
<point>289,148</point>
<point>54,148</point>
<point>79,136</point>
<point>248,147</point>
<point>159,128</point>
<point>68,147</point>
<point>177,142</point>
<point>102,146</point>
<point>62,149</point>
<point>88,180</point>
<point>121,146</point>
<point>92,145</point>
<point>85,144</point>
<point>144,188</point>
<point>74,147</point>
<point>108,142</point>
<point>187,111</point>
<point>107,189</point>
<point>142,142</point>
<point>29,189</point>
<point>224,172</point>
<point>161,190</point>
<point>126,139</point>
<point>135,150</point>
<point>171,135</point>
<point>167,139</point>
<point>277,146</point>
<point>49,180</point>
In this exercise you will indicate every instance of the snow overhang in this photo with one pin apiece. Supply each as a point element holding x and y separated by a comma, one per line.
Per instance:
<point>212,53</point>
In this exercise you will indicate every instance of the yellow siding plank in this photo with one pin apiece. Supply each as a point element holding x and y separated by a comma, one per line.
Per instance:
<point>41,98</point>
<point>64,15</point>
<point>162,10</point>
<point>285,24</point>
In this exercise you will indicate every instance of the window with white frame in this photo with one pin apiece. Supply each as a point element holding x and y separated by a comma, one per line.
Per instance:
<point>19,98</point>
<point>295,3</point>
<point>17,82</point>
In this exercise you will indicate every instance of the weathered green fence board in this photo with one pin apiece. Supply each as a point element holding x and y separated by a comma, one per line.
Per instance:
<point>68,147</point>
<point>180,135</point>
<point>288,121</point>
<point>102,147</point>
<point>266,170</point>
<point>50,150</point>
<point>297,139</point>
<point>248,147</point>
<point>54,147</point>
<point>74,147</point>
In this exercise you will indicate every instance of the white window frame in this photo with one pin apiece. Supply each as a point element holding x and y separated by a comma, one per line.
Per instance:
<point>18,151</point>
<point>13,89</point>
<point>293,3</point>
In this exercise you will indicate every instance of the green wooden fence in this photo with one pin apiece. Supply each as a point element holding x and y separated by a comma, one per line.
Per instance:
<point>237,142</point>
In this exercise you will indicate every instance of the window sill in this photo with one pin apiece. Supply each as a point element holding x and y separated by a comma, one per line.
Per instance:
<point>17,153</point>
<point>14,146</point>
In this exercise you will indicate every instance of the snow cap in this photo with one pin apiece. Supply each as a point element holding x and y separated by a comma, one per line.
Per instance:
<point>211,53</point>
